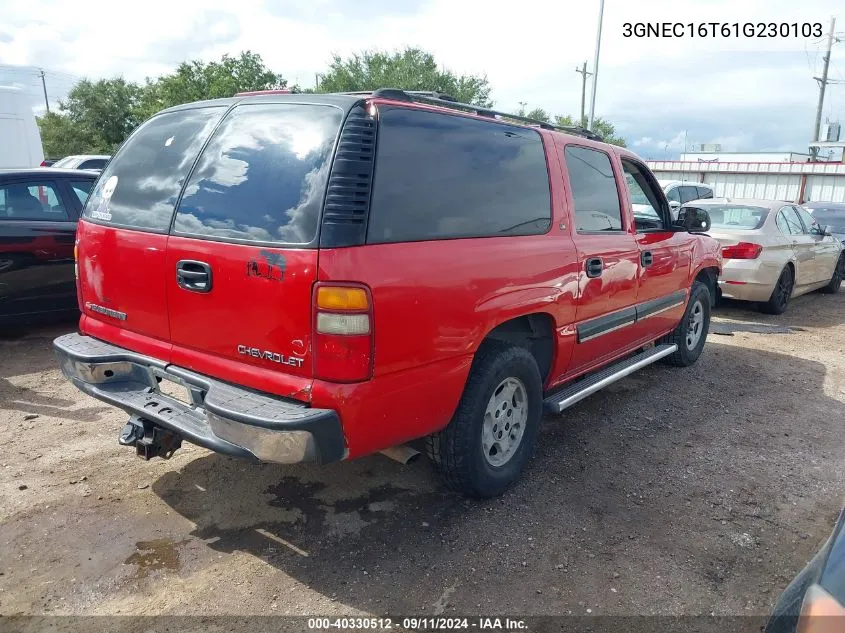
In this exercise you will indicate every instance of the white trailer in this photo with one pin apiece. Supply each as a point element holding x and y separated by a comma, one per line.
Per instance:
<point>20,140</point>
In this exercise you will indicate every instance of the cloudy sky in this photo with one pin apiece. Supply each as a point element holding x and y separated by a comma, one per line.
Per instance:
<point>745,93</point>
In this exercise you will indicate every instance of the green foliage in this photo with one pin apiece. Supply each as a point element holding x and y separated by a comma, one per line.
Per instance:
<point>410,69</point>
<point>195,81</point>
<point>98,116</point>
<point>94,119</point>
<point>601,127</point>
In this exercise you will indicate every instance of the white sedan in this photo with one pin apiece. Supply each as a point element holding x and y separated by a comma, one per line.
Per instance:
<point>772,250</point>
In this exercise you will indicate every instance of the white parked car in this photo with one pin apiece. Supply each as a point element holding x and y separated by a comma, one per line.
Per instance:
<point>83,161</point>
<point>679,192</point>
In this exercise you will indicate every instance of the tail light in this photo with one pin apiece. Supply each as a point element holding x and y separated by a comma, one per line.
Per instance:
<point>343,332</point>
<point>76,273</point>
<point>43,163</point>
<point>743,250</point>
<point>820,612</point>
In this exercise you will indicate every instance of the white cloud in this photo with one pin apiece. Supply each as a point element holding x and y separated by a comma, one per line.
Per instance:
<point>649,87</point>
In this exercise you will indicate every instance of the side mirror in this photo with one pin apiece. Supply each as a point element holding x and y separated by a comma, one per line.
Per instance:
<point>693,220</point>
<point>828,230</point>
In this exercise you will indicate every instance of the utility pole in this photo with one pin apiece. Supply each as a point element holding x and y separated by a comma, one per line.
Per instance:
<point>584,75</point>
<point>47,102</point>
<point>596,66</point>
<point>814,152</point>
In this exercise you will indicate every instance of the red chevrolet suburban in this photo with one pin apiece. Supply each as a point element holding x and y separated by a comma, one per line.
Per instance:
<point>297,277</point>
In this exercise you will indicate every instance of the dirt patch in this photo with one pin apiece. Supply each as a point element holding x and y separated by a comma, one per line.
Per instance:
<point>690,491</point>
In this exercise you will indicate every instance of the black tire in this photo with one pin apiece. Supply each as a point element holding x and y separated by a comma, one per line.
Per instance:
<point>836,281</point>
<point>698,304</point>
<point>457,451</point>
<point>781,294</point>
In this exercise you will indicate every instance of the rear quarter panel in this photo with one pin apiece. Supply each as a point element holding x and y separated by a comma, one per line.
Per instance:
<point>433,304</point>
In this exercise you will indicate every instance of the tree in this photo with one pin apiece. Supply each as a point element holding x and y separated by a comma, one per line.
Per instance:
<point>95,118</point>
<point>603,128</point>
<point>410,69</point>
<point>196,80</point>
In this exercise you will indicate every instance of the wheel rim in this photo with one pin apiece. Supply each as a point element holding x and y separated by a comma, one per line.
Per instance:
<point>504,421</point>
<point>784,288</point>
<point>695,325</point>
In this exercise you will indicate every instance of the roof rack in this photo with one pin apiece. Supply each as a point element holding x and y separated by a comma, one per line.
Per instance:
<point>448,101</point>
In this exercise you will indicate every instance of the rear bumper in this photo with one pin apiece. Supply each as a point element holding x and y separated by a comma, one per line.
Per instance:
<point>224,418</point>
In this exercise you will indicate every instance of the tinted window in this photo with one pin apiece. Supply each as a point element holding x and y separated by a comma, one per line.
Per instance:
<point>262,176</point>
<point>94,163</point>
<point>442,176</point>
<point>140,185</point>
<point>736,217</point>
<point>704,193</point>
<point>688,193</point>
<point>811,225</point>
<point>31,201</point>
<point>836,219</point>
<point>791,220</point>
<point>594,190</point>
<point>82,188</point>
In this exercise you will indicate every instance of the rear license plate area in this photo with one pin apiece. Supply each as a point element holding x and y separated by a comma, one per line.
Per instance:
<point>174,390</point>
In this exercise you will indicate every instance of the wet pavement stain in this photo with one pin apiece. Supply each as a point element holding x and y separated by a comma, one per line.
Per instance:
<point>154,555</point>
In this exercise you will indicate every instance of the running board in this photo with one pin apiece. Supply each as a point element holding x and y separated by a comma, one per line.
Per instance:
<point>584,387</point>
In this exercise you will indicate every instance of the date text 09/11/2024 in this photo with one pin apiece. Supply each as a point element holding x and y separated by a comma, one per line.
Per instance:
<point>417,623</point>
<point>671,30</point>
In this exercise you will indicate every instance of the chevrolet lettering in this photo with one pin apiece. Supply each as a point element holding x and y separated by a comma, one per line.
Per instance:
<point>271,356</point>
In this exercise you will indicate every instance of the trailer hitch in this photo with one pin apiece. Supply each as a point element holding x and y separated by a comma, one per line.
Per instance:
<point>149,439</point>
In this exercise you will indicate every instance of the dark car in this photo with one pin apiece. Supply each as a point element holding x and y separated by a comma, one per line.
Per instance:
<point>39,209</point>
<point>829,214</point>
<point>817,594</point>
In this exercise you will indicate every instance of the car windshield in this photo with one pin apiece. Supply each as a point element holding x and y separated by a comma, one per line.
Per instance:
<point>736,217</point>
<point>64,162</point>
<point>835,219</point>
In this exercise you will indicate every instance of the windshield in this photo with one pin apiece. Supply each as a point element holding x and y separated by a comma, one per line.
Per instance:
<point>736,217</point>
<point>836,219</point>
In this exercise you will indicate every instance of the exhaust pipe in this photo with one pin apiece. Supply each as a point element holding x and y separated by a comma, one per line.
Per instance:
<point>403,453</point>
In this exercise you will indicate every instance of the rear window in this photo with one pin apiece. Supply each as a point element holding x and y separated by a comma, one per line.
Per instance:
<point>441,176</point>
<point>262,177</point>
<point>736,217</point>
<point>139,187</point>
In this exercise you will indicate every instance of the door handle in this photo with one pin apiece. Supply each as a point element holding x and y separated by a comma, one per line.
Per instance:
<point>647,259</point>
<point>594,267</point>
<point>194,276</point>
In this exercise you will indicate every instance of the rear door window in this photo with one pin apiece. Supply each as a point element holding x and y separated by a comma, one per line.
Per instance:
<point>262,177</point>
<point>791,221</point>
<point>139,187</point>
<point>442,176</point>
<point>594,190</point>
<point>704,193</point>
<point>31,200</point>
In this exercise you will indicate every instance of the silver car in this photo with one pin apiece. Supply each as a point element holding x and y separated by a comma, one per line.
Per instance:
<point>772,250</point>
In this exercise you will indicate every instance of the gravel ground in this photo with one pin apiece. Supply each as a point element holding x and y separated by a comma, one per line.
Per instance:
<point>675,491</point>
